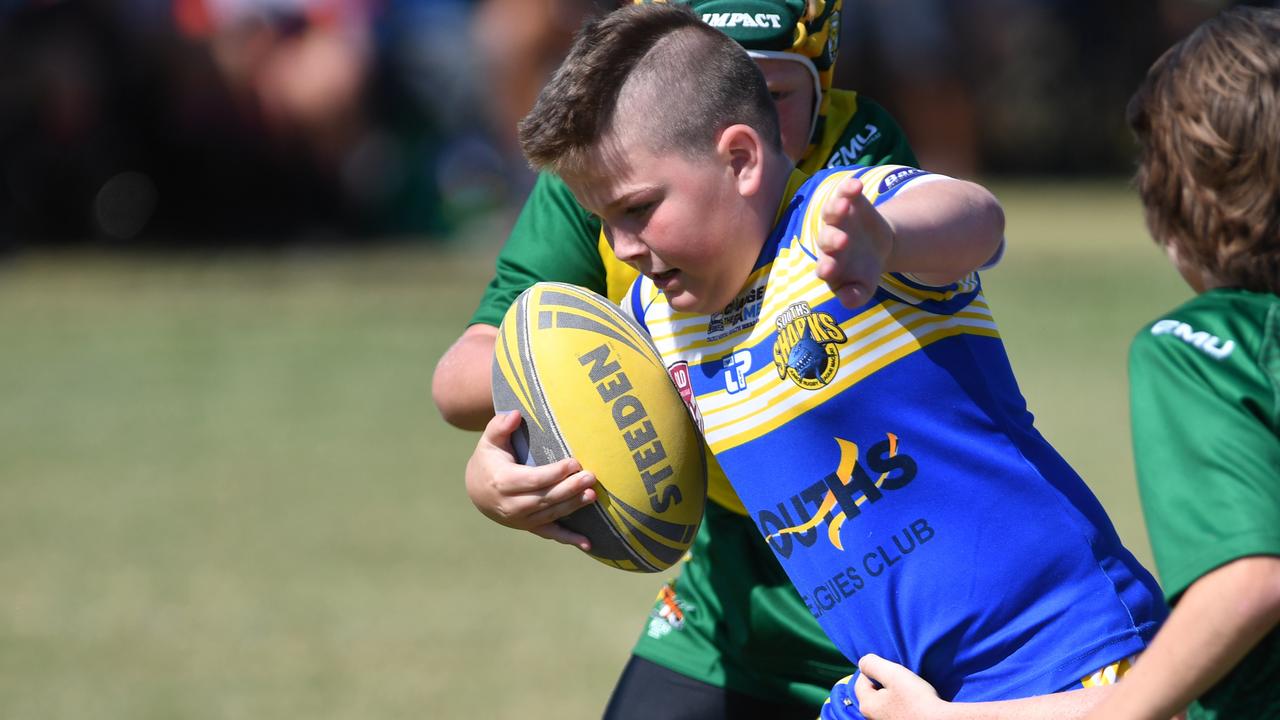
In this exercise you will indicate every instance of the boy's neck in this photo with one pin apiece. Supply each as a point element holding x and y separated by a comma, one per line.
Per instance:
<point>774,192</point>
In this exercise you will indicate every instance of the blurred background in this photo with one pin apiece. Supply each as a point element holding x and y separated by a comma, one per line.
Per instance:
<point>235,235</point>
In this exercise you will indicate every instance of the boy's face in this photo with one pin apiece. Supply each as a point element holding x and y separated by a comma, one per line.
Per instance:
<point>683,222</point>
<point>791,86</point>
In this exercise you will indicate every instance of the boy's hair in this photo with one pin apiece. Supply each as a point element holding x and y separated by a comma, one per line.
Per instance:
<point>807,31</point>
<point>1207,118</point>
<point>651,71</point>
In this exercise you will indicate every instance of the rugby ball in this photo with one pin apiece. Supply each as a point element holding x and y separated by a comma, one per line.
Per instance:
<point>589,384</point>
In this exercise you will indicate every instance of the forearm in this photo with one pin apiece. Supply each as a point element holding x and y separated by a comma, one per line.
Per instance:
<point>943,230</point>
<point>461,386</point>
<point>1215,624</point>
<point>888,691</point>
<point>1071,705</point>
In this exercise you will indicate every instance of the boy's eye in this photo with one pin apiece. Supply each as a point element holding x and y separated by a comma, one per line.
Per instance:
<point>640,209</point>
<point>779,94</point>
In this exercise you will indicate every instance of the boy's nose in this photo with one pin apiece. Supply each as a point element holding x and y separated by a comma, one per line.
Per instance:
<point>627,246</point>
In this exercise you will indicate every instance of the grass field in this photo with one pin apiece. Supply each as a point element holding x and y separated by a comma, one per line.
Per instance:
<point>224,492</point>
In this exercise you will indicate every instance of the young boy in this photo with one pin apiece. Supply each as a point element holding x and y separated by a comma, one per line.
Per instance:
<point>728,636</point>
<point>1205,377</point>
<point>866,417</point>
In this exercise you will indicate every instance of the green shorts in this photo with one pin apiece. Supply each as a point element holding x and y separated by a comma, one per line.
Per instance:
<point>732,619</point>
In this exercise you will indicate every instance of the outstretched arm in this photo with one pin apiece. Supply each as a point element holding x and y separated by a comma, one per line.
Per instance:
<point>940,231</point>
<point>903,695</point>
<point>1219,619</point>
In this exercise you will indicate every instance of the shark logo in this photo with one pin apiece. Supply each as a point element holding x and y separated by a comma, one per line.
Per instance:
<point>838,497</point>
<point>807,347</point>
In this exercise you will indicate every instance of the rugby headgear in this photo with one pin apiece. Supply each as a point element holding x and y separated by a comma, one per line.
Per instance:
<point>805,31</point>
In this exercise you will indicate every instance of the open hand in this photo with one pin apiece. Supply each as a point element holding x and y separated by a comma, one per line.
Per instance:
<point>853,244</point>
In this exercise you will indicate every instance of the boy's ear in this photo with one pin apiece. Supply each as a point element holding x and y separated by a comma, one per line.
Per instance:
<point>743,152</point>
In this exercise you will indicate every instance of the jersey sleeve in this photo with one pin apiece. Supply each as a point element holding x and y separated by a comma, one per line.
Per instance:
<point>1207,455</point>
<point>555,239</point>
<point>881,184</point>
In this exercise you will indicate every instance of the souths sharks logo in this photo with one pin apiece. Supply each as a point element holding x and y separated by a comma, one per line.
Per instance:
<point>807,349</point>
<point>839,497</point>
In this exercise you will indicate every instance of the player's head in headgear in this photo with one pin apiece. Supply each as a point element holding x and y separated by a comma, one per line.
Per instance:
<point>794,41</point>
<point>663,127</point>
<point>1207,118</point>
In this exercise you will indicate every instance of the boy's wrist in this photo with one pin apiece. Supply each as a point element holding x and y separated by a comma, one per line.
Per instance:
<point>890,244</point>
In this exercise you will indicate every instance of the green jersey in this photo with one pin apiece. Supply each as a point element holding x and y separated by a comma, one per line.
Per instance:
<point>1205,392</point>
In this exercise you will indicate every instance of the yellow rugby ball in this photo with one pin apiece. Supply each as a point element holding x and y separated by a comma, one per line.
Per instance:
<point>589,384</point>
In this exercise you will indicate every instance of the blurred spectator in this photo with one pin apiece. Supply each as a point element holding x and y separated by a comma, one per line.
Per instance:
<point>1012,86</point>
<point>252,121</point>
<point>521,42</point>
<point>920,61</point>
<point>240,120</point>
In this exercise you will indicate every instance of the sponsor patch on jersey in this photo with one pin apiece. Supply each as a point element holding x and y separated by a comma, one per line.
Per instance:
<point>679,373</point>
<point>897,178</point>
<point>668,614</point>
<point>807,346</point>
<point>858,481</point>
<point>852,151</point>
<point>737,365</point>
<point>1211,345</point>
<point>746,20</point>
<point>738,315</point>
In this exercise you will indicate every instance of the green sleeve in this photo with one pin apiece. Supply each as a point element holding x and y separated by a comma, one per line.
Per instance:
<point>1205,440</point>
<point>554,238</point>
<point>892,147</point>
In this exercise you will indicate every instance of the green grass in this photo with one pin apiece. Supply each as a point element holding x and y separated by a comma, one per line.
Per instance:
<point>224,492</point>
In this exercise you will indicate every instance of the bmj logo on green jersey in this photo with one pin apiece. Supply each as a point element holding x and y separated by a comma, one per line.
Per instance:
<point>807,348</point>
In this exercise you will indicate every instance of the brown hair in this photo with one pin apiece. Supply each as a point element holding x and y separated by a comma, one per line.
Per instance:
<point>1207,118</point>
<point>651,69</point>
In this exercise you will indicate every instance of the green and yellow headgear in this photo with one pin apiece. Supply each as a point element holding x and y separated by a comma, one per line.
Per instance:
<point>806,31</point>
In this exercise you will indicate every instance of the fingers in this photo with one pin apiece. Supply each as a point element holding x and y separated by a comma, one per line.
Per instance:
<point>518,479</point>
<point>863,689</point>
<point>521,496</point>
<point>887,672</point>
<point>500,428</point>
<point>567,497</point>
<point>525,497</point>
<point>853,244</point>
<point>844,200</point>
<point>875,668</point>
<point>563,535</point>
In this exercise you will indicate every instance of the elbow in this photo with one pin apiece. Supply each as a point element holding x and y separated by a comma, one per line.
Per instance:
<point>1270,578</point>
<point>455,402</point>
<point>450,410</point>
<point>455,406</point>
<point>991,214</point>
<point>460,383</point>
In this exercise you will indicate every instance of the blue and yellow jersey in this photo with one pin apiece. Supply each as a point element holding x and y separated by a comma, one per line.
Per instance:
<point>887,456</point>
